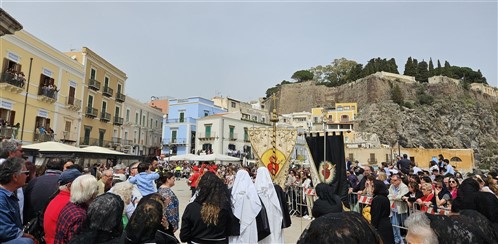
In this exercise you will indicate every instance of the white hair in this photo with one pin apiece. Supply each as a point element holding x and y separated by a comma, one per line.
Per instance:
<point>123,190</point>
<point>83,188</point>
<point>419,225</point>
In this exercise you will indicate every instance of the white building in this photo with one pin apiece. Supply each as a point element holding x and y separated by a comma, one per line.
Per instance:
<point>142,129</point>
<point>226,133</point>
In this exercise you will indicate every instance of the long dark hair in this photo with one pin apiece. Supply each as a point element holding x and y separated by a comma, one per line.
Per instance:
<point>213,196</point>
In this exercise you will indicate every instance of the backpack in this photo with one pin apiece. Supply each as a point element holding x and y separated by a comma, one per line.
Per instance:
<point>34,226</point>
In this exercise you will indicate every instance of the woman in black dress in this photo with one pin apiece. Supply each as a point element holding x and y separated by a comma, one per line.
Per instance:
<point>327,201</point>
<point>380,212</point>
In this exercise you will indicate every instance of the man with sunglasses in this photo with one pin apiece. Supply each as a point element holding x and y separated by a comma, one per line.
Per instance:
<point>13,174</point>
<point>13,149</point>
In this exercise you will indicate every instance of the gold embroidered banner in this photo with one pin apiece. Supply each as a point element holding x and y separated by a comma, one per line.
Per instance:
<point>272,151</point>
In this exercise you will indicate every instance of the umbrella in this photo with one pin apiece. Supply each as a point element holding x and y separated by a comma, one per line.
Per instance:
<point>51,146</point>
<point>217,157</point>
<point>100,150</point>
<point>187,157</point>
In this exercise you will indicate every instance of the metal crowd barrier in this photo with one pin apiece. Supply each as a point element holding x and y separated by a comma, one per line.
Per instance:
<point>296,199</point>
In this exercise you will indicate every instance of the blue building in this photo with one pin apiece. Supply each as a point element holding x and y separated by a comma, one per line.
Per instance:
<point>179,127</point>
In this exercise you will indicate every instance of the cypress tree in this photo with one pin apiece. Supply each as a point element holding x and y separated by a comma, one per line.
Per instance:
<point>439,69</point>
<point>422,72</point>
<point>431,68</point>
<point>409,67</point>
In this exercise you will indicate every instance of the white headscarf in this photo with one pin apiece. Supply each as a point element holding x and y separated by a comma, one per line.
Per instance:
<point>264,187</point>
<point>245,200</point>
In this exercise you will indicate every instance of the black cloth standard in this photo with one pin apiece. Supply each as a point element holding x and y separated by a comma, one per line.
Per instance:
<point>380,211</point>
<point>334,154</point>
<point>38,192</point>
<point>327,201</point>
<point>468,227</point>
<point>262,223</point>
<point>286,221</point>
<point>194,229</point>
<point>344,227</point>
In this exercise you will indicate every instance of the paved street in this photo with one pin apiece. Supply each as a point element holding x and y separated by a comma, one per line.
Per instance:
<point>291,234</point>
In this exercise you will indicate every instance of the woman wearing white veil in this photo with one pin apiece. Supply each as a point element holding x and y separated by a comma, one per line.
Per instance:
<point>246,206</point>
<point>266,191</point>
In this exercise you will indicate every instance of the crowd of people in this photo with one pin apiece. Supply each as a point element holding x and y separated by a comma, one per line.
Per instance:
<point>15,77</point>
<point>115,203</point>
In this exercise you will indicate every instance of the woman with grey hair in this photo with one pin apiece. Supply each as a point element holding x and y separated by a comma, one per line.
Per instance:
<point>103,222</point>
<point>83,191</point>
<point>419,229</point>
<point>123,190</point>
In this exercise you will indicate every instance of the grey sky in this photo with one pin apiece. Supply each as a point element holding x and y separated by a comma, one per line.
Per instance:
<point>239,49</point>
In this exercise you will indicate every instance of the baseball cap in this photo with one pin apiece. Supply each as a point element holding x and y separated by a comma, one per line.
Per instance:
<point>68,176</point>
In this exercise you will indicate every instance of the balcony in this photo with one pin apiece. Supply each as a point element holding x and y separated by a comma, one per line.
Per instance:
<point>93,84</point>
<point>39,137</point>
<point>184,120</point>
<point>8,82</point>
<point>69,137</point>
<point>116,140</point>
<point>118,120</point>
<point>120,97</point>
<point>175,141</point>
<point>91,112</point>
<point>232,137</point>
<point>88,141</point>
<point>107,91</point>
<point>126,142</point>
<point>8,132</point>
<point>105,116</point>
<point>47,94</point>
<point>207,137</point>
<point>73,103</point>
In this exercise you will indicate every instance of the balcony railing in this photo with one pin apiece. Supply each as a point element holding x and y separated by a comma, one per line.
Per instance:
<point>8,132</point>
<point>175,141</point>
<point>120,97</point>
<point>73,103</point>
<point>10,82</point>
<point>93,84</point>
<point>232,137</point>
<point>126,142</point>
<point>91,112</point>
<point>107,91</point>
<point>105,116</point>
<point>48,94</point>
<point>89,141</point>
<point>116,140</point>
<point>184,120</point>
<point>207,137</point>
<point>39,137</point>
<point>118,120</point>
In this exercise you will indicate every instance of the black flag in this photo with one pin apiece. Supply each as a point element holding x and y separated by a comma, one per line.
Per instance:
<point>332,169</point>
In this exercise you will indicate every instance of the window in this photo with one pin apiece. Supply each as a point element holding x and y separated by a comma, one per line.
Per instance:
<point>231,147</point>
<point>90,101</point>
<point>136,118</point>
<point>233,104</point>
<point>156,123</point>
<point>86,137</point>
<point>206,113</point>
<point>93,74</point>
<point>143,120</point>
<point>67,126</point>
<point>173,136</point>
<point>232,134</point>
<point>8,116</point>
<point>11,65</point>
<point>119,89</point>
<point>128,115</point>
<point>353,107</point>
<point>106,81</point>
<point>351,157</point>
<point>116,112</point>
<point>246,134</point>
<point>339,108</point>
<point>150,125</point>
<point>126,135</point>
<point>104,106</point>
<point>72,91</point>
<point>372,158</point>
<point>47,86</point>
<point>101,137</point>
<point>346,107</point>
<point>344,118</point>
<point>207,130</point>
<point>182,117</point>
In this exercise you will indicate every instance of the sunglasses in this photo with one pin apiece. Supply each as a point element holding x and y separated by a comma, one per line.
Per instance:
<point>452,181</point>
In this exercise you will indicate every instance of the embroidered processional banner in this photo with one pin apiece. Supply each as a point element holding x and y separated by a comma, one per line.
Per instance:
<point>273,149</point>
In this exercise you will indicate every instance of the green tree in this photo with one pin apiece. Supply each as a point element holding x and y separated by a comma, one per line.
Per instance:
<point>410,69</point>
<point>276,88</point>
<point>397,95</point>
<point>431,68</point>
<point>302,75</point>
<point>422,72</point>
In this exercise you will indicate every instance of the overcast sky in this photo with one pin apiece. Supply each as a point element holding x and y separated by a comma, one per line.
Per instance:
<point>241,48</point>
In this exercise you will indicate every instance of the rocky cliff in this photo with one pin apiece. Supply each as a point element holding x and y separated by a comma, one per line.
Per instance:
<point>457,117</point>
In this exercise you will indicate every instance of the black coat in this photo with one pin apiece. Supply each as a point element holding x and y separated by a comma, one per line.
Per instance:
<point>286,221</point>
<point>194,229</point>
<point>380,218</point>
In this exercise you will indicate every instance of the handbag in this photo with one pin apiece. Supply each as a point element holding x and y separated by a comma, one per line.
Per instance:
<point>34,227</point>
<point>262,223</point>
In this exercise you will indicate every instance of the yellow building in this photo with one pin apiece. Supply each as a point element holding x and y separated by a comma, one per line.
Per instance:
<point>40,88</point>
<point>461,159</point>
<point>102,100</point>
<point>337,119</point>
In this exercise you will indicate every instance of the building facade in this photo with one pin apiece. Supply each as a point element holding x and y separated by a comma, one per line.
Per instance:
<point>40,91</point>
<point>179,126</point>
<point>103,97</point>
<point>142,129</point>
<point>226,133</point>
